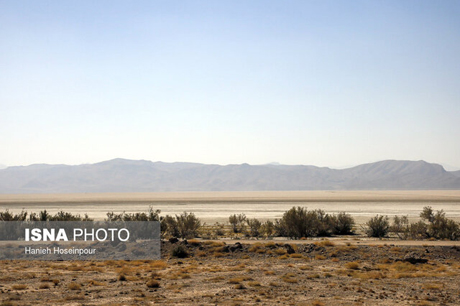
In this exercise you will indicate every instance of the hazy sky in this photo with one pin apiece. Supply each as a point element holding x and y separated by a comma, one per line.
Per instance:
<point>328,83</point>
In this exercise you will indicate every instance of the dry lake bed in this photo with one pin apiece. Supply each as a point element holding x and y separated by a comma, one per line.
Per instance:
<point>213,207</point>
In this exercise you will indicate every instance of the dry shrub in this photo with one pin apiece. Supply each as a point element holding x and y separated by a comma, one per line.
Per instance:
<point>240,286</point>
<point>433,286</point>
<point>158,265</point>
<point>370,275</point>
<point>280,251</point>
<point>216,279</point>
<point>352,265</point>
<point>325,243</point>
<point>75,298</point>
<point>303,268</point>
<point>317,303</point>
<point>96,283</point>
<point>270,244</point>
<point>289,278</point>
<point>45,279</point>
<point>254,284</point>
<point>404,267</point>
<point>153,284</point>
<point>200,254</point>
<point>218,254</point>
<point>320,257</point>
<point>184,276</point>
<point>19,287</point>
<point>76,268</point>
<point>179,251</point>
<point>194,242</point>
<point>296,255</point>
<point>286,256</point>
<point>237,280</point>
<point>273,284</point>
<point>44,286</point>
<point>269,272</point>
<point>214,243</point>
<point>74,286</point>
<point>96,269</point>
<point>239,267</point>
<point>255,247</point>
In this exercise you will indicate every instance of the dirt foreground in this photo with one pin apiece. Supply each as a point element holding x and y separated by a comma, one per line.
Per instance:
<point>319,272</point>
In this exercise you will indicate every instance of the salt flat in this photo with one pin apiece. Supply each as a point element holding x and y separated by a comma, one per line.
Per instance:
<point>214,207</point>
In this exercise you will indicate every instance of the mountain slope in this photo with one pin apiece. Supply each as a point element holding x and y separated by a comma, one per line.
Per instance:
<point>121,175</point>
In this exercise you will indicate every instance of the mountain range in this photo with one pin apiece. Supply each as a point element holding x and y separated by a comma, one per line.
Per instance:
<point>122,175</point>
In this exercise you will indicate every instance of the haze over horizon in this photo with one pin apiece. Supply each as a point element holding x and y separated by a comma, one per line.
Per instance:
<point>324,83</point>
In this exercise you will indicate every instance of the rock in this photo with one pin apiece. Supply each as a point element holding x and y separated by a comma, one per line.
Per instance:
<point>414,258</point>
<point>289,248</point>
<point>173,240</point>
<point>237,246</point>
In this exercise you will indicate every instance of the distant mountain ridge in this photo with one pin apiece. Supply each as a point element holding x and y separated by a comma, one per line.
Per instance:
<point>122,175</point>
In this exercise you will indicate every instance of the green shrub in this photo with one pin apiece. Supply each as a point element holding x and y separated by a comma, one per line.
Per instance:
<point>254,227</point>
<point>238,223</point>
<point>378,226</point>
<point>342,224</point>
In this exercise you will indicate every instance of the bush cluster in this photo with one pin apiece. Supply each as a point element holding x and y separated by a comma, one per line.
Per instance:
<point>42,216</point>
<point>433,225</point>
<point>298,222</point>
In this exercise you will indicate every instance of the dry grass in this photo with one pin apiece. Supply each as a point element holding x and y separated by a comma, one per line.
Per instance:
<point>237,280</point>
<point>325,243</point>
<point>74,286</point>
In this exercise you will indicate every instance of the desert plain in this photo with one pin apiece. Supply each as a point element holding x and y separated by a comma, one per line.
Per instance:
<point>345,270</point>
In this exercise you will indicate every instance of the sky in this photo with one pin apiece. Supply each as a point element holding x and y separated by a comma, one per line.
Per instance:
<point>326,83</point>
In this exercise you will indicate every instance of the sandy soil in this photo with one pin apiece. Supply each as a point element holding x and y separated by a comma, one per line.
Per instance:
<point>262,273</point>
<point>249,196</point>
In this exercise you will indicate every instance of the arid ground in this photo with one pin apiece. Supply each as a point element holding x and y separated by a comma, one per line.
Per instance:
<point>320,272</point>
<point>351,270</point>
